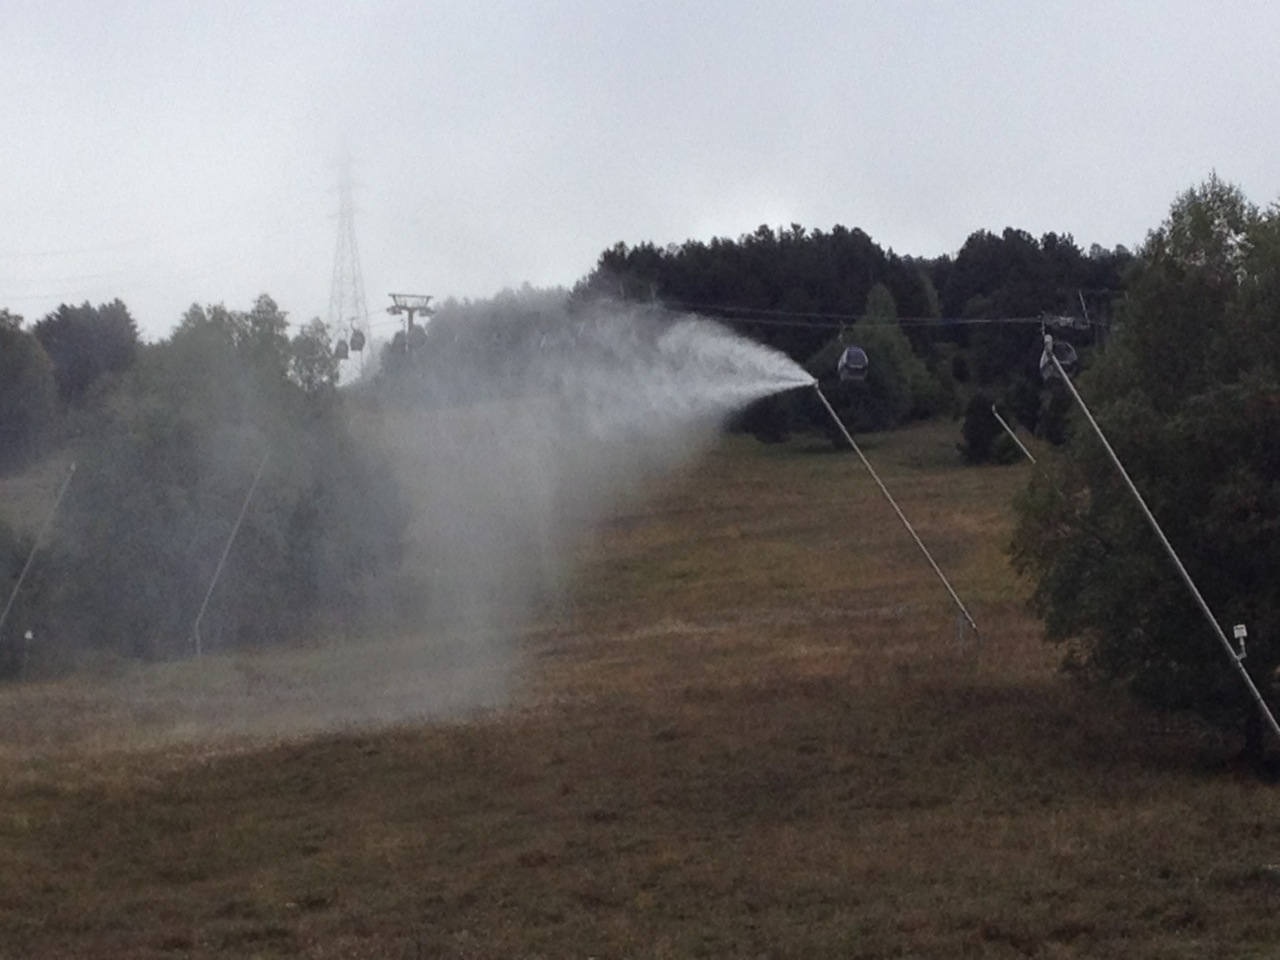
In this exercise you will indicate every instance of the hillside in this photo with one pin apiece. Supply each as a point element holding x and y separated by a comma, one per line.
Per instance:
<point>749,729</point>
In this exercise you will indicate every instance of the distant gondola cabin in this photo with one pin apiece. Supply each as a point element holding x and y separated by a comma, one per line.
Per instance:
<point>853,365</point>
<point>1064,353</point>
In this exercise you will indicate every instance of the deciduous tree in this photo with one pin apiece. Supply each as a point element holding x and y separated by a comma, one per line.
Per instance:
<point>1189,395</point>
<point>86,342</point>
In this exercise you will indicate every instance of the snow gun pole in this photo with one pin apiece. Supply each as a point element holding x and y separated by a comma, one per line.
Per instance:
<point>44,528</point>
<point>196,643</point>
<point>1232,655</point>
<point>1009,430</point>
<point>898,510</point>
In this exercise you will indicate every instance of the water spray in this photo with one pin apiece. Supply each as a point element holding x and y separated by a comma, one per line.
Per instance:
<point>960,607</point>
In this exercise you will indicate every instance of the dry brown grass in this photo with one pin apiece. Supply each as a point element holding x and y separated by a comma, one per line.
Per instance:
<point>751,732</point>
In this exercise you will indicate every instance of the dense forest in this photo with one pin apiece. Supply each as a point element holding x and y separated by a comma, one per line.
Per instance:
<point>168,442</point>
<point>237,418</point>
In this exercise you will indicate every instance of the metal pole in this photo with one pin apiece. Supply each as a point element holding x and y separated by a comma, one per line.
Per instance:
<point>44,528</point>
<point>1164,541</point>
<point>1009,430</point>
<point>244,508</point>
<point>901,516</point>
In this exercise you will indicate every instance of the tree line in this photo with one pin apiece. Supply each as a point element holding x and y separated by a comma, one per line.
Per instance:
<point>936,330</point>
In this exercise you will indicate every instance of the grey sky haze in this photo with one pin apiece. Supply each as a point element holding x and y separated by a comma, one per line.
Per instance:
<point>175,152</point>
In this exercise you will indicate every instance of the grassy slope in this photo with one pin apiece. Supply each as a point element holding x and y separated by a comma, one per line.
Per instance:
<point>753,732</point>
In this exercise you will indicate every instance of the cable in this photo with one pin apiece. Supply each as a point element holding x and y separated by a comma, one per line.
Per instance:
<point>765,316</point>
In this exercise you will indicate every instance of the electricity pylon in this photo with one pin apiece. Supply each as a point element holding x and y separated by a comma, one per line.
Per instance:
<point>348,311</point>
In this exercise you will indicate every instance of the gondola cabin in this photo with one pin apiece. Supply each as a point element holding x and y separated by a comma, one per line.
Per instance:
<point>357,341</point>
<point>340,350</point>
<point>1064,353</point>
<point>853,364</point>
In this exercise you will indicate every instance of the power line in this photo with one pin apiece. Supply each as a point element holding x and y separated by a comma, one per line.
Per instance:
<point>765,316</point>
<point>285,220</point>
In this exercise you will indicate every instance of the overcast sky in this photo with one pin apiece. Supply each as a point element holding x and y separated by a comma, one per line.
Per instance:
<point>174,152</point>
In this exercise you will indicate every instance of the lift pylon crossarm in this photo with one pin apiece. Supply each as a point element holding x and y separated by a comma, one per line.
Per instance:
<point>410,303</point>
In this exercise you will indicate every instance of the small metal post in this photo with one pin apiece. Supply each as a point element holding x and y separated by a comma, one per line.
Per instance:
<point>196,644</point>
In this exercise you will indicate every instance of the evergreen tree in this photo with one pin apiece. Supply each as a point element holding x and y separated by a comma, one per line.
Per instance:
<point>28,394</point>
